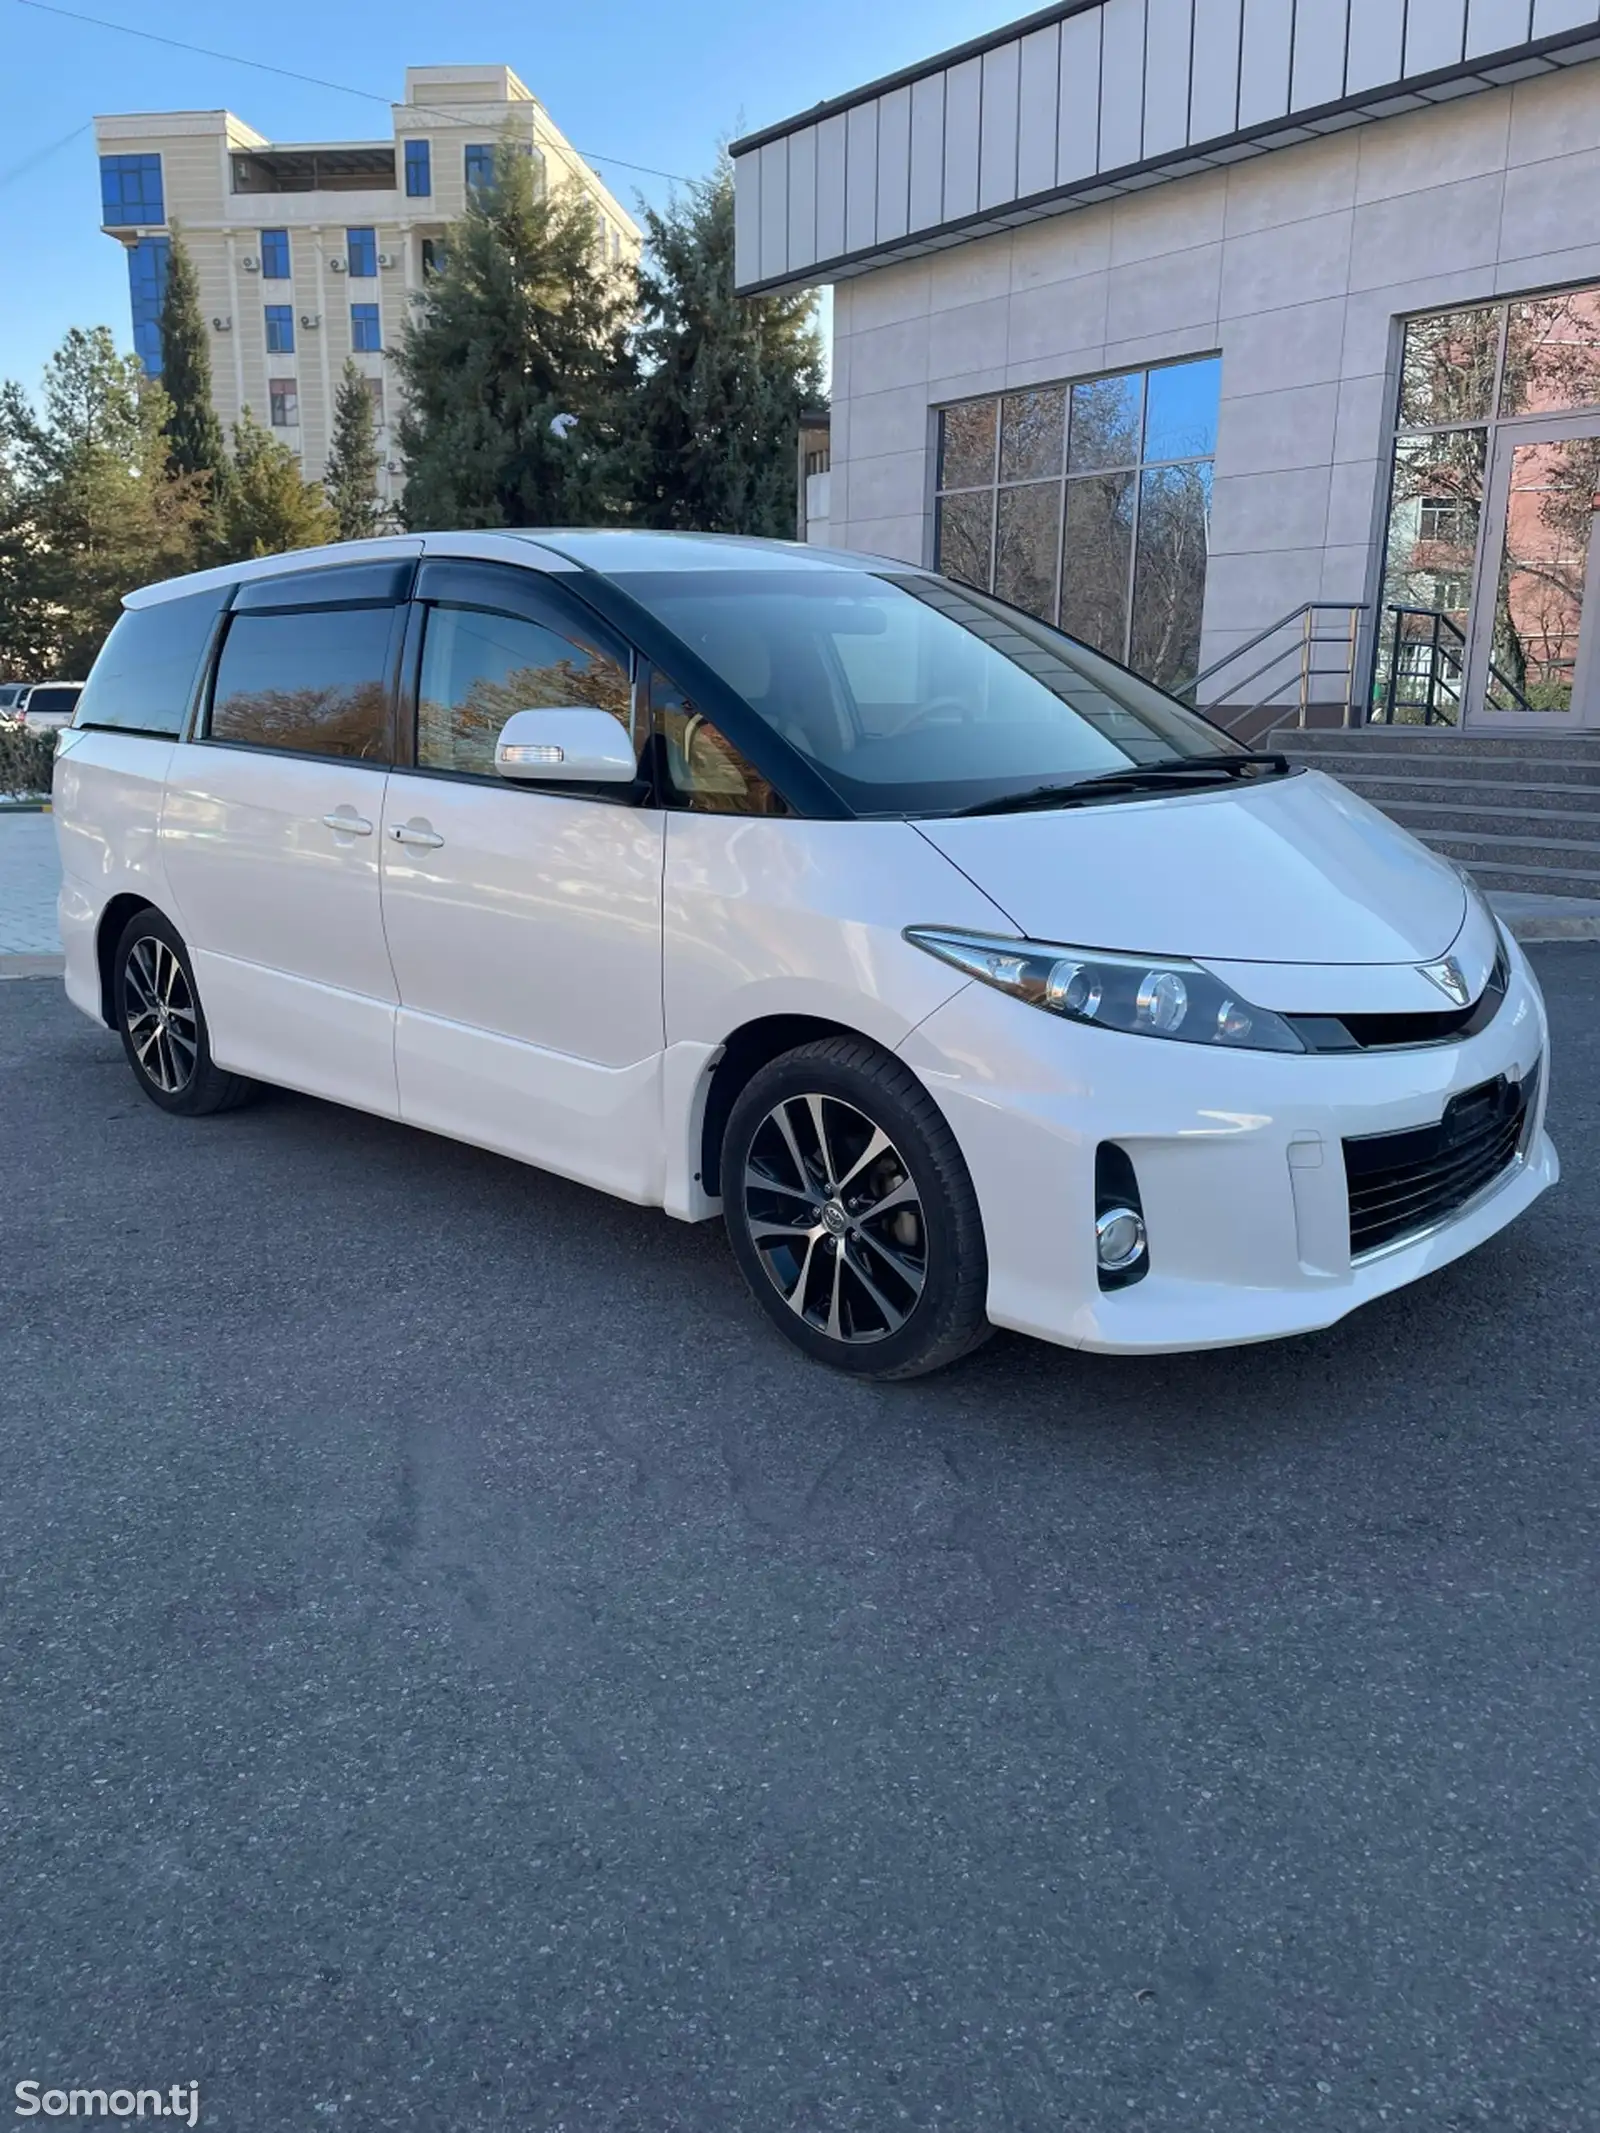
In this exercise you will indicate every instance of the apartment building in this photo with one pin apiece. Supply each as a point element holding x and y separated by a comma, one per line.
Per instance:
<point>309,253</point>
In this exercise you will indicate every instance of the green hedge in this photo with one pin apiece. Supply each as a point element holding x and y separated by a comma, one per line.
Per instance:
<point>25,762</point>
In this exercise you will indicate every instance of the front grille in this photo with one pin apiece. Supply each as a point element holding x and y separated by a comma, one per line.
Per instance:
<point>1403,1183</point>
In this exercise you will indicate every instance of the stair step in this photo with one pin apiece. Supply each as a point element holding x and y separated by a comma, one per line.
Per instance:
<point>1371,741</point>
<point>1579,797</point>
<point>1565,855</point>
<point>1535,881</point>
<point>1453,820</point>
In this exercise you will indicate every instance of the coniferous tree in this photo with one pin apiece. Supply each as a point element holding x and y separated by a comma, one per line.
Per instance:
<point>194,433</point>
<point>525,322</point>
<point>267,505</point>
<point>350,477</point>
<point>89,505</point>
<point>725,378</point>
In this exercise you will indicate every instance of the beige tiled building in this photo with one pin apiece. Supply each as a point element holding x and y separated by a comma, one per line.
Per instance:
<point>309,253</point>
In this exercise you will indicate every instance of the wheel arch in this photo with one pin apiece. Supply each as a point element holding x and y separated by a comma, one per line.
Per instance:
<point>744,1053</point>
<point>112,922</point>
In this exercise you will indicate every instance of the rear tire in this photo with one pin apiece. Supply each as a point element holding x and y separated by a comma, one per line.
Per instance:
<point>851,1212</point>
<point>162,1025</point>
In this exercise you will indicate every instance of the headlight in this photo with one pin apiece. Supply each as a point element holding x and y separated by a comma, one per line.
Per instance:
<point>1138,995</point>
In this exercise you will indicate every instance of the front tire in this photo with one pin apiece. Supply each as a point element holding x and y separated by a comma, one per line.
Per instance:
<point>162,1024</point>
<point>851,1212</point>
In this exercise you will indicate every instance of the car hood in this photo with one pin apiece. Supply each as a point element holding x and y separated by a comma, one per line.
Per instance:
<point>1295,870</point>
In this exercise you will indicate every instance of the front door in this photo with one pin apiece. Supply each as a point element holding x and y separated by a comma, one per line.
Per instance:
<point>524,923</point>
<point>1535,656</point>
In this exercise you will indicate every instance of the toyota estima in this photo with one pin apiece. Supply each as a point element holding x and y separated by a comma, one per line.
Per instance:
<point>973,980</point>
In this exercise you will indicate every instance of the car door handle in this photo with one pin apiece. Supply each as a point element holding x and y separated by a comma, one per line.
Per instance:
<point>351,825</point>
<point>415,833</point>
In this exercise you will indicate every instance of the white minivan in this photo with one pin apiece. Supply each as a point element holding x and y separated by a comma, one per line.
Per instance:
<point>971,979</point>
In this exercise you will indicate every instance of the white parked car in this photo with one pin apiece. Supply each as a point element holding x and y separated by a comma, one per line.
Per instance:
<point>48,705</point>
<point>970,978</point>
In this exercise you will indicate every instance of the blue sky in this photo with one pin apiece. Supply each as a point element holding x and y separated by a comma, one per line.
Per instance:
<point>656,83</point>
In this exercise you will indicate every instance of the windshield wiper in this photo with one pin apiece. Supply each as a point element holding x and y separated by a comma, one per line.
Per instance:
<point>1136,777</point>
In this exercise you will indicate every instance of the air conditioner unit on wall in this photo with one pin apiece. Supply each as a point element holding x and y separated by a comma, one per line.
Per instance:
<point>223,325</point>
<point>338,266</point>
<point>250,263</point>
<point>311,320</point>
<point>386,259</point>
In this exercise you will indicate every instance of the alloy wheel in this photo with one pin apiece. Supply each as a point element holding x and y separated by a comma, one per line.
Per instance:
<point>159,1006</point>
<point>836,1218</point>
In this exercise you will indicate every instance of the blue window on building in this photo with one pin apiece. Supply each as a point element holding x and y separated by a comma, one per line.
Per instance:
<point>130,190</point>
<point>480,165</point>
<point>275,255</point>
<point>280,329</point>
<point>365,333</point>
<point>419,170</point>
<point>361,251</point>
<point>147,286</point>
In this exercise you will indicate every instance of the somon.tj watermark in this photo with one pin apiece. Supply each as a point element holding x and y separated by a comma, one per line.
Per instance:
<point>180,2102</point>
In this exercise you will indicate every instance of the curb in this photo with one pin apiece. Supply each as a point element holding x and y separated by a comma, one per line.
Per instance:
<point>31,966</point>
<point>1531,930</point>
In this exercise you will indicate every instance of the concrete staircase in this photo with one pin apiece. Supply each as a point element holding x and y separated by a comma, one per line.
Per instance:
<point>1521,810</point>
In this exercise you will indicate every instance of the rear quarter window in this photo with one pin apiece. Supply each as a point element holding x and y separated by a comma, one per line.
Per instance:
<point>142,681</point>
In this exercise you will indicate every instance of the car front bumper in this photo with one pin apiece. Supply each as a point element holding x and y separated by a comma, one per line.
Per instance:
<point>1239,1158</point>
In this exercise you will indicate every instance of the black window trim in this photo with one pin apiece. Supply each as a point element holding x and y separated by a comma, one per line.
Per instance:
<point>521,595</point>
<point>201,735</point>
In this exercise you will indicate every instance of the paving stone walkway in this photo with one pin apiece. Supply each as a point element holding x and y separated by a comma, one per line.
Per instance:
<point>30,876</point>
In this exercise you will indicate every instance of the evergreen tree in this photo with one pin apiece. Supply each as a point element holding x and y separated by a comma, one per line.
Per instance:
<point>726,378</point>
<point>524,322</point>
<point>351,474</point>
<point>267,506</point>
<point>89,505</point>
<point>194,433</point>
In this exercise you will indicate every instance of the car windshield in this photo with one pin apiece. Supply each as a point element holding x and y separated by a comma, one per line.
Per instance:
<point>914,695</point>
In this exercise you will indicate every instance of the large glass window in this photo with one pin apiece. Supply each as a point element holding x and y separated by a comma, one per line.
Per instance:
<point>1090,505</point>
<point>914,695</point>
<point>419,170</point>
<point>478,667</point>
<point>366,329</point>
<point>313,682</point>
<point>147,292</point>
<point>283,401</point>
<point>361,253</point>
<point>130,190</point>
<point>478,162</point>
<point>275,255</point>
<point>1463,375</point>
<point>280,329</point>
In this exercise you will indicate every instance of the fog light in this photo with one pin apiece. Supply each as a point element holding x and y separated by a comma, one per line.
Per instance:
<point>1119,1239</point>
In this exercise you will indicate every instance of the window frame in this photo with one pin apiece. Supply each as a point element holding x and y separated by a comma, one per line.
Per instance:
<point>273,325</point>
<point>133,163</point>
<point>516,595</point>
<point>287,389</point>
<point>321,595</point>
<point>418,154</point>
<point>475,152</point>
<point>364,316</point>
<point>279,244</point>
<point>361,252</point>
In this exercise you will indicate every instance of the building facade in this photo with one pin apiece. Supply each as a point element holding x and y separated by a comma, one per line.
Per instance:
<point>308,255</point>
<point>1256,341</point>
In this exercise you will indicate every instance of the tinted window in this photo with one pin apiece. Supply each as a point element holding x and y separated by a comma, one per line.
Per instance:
<point>146,669</point>
<point>703,769</point>
<point>51,701</point>
<point>912,694</point>
<point>317,683</point>
<point>478,667</point>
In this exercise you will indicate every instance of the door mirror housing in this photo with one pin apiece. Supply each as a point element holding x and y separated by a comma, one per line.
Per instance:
<point>575,744</point>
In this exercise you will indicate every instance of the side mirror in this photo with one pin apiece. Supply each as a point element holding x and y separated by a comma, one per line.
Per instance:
<point>574,744</point>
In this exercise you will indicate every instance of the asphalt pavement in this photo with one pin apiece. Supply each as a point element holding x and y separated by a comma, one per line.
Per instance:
<point>460,1670</point>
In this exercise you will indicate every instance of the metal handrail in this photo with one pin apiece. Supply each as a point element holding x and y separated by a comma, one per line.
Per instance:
<point>1441,629</point>
<point>1301,649</point>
